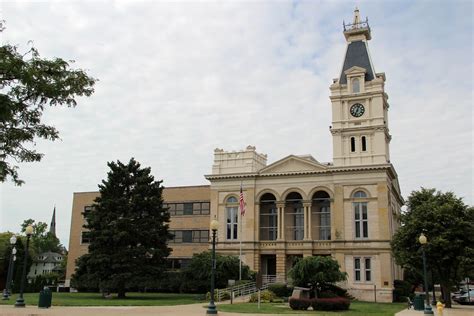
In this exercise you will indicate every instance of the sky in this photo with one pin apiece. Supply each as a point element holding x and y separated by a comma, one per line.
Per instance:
<point>179,79</point>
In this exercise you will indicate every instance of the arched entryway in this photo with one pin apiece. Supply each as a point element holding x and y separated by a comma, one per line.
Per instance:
<point>268,217</point>
<point>294,217</point>
<point>321,216</point>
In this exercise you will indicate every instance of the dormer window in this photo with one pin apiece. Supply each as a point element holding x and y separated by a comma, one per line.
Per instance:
<point>355,85</point>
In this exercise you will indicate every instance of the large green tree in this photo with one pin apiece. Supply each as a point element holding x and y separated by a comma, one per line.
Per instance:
<point>317,272</point>
<point>128,230</point>
<point>28,83</point>
<point>448,223</point>
<point>197,273</point>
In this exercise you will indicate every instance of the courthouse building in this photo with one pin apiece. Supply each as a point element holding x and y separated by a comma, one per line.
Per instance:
<point>299,206</point>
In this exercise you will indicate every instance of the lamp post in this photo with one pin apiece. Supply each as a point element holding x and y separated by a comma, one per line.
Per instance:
<point>422,239</point>
<point>20,302</point>
<point>212,309</point>
<point>6,291</point>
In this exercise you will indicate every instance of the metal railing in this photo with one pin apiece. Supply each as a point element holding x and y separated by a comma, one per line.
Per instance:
<point>248,288</point>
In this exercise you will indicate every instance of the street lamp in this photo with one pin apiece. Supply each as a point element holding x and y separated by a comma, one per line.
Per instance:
<point>211,309</point>
<point>6,291</point>
<point>20,302</point>
<point>422,239</point>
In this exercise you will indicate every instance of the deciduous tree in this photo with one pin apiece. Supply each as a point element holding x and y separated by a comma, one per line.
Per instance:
<point>448,223</point>
<point>28,83</point>
<point>128,230</point>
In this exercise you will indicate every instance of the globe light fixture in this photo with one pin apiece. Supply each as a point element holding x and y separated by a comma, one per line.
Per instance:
<point>423,241</point>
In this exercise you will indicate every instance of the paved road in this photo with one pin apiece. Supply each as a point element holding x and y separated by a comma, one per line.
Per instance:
<point>457,310</point>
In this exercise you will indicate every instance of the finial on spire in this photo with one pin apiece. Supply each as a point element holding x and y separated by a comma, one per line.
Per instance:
<point>356,22</point>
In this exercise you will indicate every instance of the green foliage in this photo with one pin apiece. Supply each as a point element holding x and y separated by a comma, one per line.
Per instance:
<point>41,239</point>
<point>18,264</point>
<point>299,304</point>
<point>129,232</point>
<point>198,272</point>
<point>266,296</point>
<point>225,295</point>
<point>448,224</point>
<point>39,282</point>
<point>403,289</point>
<point>330,304</point>
<point>29,83</point>
<point>316,271</point>
<point>281,289</point>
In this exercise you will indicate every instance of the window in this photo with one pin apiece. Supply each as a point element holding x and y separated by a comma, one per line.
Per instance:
<point>361,220</point>
<point>232,216</point>
<point>353,144</point>
<point>360,194</point>
<point>355,85</point>
<point>189,236</point>
<point>357,269</point>
<point>364,143</point>
<point>85,237</point>
<point>268,217</point>
<point>188,208</point>
<point>365,265</point>
<point>368,276</point>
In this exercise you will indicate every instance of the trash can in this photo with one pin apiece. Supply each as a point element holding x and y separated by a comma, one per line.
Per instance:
<point>419,302</point>
<point>45,298</point>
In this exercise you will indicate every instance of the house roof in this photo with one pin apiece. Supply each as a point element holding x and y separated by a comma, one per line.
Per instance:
<point>357,54</point>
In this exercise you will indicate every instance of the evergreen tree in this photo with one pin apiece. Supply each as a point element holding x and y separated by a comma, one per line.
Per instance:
<point>128,230</point>
<point>448,224</point>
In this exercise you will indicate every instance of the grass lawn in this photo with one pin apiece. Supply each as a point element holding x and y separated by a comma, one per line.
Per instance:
<point>95,299</point>
<point>356,309</point>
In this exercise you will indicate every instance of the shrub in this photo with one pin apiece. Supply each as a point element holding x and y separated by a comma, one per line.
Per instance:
<point>339,291</point>
<point>330,304</point>
<point>280,289</point>
<point>327,294</point>
<point>224,295</point>
<point>265,296</point>
<point>402,290</point>
<point>299,303</point>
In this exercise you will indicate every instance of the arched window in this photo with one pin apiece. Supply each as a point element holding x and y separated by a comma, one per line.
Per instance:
<point>361,219</point>
<point>321,216</point>
<point>232,217</point>
<point>294,216</point>
<point>268,217</point>
<point>355,85</point>
<point>353,144</point>
<point>364,143</point>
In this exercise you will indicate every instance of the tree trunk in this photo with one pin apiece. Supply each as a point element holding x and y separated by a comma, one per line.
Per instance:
<point>121,293</point>
<point>446,295</point>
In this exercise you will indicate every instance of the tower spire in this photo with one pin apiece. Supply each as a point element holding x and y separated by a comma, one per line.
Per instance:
<point>356,22</point>
<point>52,226</point>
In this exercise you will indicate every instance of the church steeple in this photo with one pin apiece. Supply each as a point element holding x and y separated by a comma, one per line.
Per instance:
<point>52,226</point>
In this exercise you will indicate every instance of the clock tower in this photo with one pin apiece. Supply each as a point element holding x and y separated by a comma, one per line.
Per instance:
<point>359,104</point>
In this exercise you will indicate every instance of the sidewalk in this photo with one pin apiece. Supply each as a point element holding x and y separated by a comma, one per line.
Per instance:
<point>457,310</point>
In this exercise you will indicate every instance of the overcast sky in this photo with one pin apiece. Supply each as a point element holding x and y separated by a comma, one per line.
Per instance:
<point>180,79</point>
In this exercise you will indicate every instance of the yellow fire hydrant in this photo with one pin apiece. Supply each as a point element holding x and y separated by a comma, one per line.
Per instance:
<point>440,308</point>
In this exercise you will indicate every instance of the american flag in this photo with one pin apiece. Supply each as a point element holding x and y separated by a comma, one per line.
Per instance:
<point>241,202</point>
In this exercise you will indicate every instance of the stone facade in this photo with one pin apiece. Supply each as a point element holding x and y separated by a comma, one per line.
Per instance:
<point>298,206</point>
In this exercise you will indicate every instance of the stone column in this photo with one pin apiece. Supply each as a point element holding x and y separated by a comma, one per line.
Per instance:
<point>307,220</point>
<point>281,220</point>
<point>281,264</point>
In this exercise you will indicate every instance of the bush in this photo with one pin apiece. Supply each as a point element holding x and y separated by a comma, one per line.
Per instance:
<point>402,290</point>
<point>301,304</point>
<point>327,294</point>
<point>224,295</point>
<point>330,304</point>
<point>339,291</point>
<point>266,296</point>
<point>280,289</point>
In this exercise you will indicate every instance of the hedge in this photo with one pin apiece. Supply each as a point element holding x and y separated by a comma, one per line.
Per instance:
<point>281,289</point>
<point>330,304</point>
<point>299,303</point>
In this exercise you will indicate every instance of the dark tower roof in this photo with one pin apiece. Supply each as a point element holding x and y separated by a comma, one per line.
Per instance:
<point>357,54</point>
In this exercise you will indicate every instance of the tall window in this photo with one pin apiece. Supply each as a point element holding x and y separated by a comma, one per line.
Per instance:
<point>321,216</point>
<point>232,215</point>
<point>268,217</point>
<point>360,216</point>
<point>363,143</point>
<point>355,85</point>
<point>353,144</point>
<point>294,212</point>
<point>363,269</point>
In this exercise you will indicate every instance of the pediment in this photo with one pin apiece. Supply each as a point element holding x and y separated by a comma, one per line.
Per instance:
<point>355,70</point>
<point>294,163</point>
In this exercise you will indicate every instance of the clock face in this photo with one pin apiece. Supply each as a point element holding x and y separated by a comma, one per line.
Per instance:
<point>357,110</point>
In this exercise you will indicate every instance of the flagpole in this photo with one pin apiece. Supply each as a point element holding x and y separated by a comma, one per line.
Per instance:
<point>240,254</point>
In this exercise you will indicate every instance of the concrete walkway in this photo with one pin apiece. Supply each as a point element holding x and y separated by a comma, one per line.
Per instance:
<point>457,310</point>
